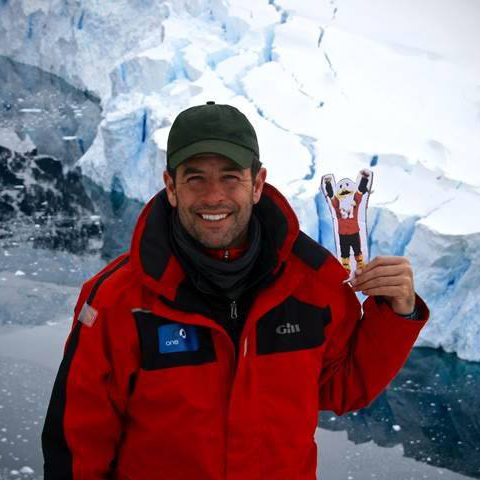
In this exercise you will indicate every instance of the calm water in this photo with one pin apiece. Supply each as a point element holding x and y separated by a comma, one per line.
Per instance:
<point>431,412</point>
<point>425,426</point>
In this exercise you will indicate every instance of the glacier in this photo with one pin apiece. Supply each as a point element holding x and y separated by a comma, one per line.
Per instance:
<point>330,89</point>
<point>60,121</point>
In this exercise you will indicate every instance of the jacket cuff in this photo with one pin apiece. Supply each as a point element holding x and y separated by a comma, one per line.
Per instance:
<point>420,313</point>
<point>412,316</point>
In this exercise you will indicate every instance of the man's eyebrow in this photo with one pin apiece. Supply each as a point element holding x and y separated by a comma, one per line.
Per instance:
<point>190,170</point>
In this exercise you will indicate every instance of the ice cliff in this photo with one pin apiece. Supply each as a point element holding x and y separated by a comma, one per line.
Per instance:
<point>330,88</point>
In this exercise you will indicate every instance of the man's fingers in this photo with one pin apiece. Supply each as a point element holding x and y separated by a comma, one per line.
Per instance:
<point>382,271</point>
<point>388,276</point>
<point>383,281</point>
<point>388,291</point>
<point>385,260</point>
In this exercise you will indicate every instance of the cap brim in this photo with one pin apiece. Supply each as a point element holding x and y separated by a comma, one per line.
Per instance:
<point>240,155</point>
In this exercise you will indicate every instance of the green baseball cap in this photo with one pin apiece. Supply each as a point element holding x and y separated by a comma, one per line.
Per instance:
<point>212,128</point>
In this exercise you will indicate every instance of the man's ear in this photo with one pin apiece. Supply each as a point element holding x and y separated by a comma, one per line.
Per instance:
<point>170,187</point>
<point>258,184</point>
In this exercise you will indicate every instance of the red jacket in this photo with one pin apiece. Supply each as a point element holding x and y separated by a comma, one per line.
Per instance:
<point>149,388</point>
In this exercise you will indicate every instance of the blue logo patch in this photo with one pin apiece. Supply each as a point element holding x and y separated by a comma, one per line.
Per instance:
<point>175,337</point>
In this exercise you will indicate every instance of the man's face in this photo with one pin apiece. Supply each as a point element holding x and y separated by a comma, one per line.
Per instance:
<point>214,197</point>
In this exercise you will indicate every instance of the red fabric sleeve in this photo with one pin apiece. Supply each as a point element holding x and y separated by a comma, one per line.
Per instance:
<point>97,391</point>
<point>85,420</point>
<point>364,353</point>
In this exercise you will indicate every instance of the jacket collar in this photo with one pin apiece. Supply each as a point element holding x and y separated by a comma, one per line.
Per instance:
<point>152,256</point>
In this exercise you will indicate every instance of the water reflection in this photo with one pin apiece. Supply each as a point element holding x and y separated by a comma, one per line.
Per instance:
<point>432,408</point>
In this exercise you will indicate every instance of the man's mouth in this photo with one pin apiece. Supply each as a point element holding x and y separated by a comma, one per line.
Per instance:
<point>213,217</point>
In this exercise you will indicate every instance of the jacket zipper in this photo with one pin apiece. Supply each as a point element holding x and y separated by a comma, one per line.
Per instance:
<point>233,310</point>
<point>234,316</point>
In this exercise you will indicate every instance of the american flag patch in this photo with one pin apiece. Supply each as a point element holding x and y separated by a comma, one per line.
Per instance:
<point>88,315</point>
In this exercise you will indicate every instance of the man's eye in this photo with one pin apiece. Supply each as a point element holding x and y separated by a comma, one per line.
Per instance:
<point>231,177</point>
<point>194,178</point>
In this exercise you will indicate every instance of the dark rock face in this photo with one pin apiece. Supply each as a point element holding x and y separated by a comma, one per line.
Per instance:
<point>432,408</point>
<point>47,205</point>
<point>42,204</point>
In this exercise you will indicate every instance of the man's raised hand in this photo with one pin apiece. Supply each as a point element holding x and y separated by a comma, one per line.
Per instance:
<point>390,277</point>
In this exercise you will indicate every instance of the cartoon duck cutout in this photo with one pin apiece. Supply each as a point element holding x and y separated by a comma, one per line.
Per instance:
<point>348,201</point>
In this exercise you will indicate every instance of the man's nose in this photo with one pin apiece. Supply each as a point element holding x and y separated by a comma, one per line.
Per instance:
<point>214,191</point>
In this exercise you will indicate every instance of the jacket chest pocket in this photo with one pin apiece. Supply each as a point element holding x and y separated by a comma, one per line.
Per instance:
<point>293,325</point>
<point>165,343</point>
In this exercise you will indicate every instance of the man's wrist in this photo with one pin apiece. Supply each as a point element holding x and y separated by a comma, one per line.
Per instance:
<point>414,315</point>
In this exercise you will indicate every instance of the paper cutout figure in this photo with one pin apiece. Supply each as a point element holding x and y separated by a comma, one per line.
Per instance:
<point>348,203</point>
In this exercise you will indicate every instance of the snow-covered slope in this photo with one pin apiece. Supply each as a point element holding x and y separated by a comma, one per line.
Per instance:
<point>331,87</point>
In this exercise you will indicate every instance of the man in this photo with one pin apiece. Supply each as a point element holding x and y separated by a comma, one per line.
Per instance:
<point>206,351</point>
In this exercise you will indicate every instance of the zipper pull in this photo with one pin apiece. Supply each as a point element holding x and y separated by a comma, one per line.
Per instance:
<point>233,310</point>
<point>226,255</point>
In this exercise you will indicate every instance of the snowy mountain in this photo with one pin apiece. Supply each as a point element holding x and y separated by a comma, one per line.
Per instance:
<point>330,86</point>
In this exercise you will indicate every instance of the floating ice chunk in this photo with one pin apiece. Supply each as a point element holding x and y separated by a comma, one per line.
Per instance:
<point>18,273</point>
<point>27,470</point>
<point>397,428</point>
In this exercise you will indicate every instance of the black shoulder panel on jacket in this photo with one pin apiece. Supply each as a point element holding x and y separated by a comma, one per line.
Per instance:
<point>309,251</point>
<point>103,277</point>
<point>155,251</point>
<point>273,219</point>
<point>58,462</point>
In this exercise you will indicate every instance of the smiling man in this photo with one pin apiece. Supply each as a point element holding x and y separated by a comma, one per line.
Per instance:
<point>206,351</point>
<point>214,198</point>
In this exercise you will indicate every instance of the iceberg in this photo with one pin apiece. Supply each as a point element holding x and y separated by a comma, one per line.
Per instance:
<point>330,89</point>
<point>44,112</point>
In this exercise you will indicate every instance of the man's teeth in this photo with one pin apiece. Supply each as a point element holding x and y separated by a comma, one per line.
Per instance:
<point>214,218</point>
